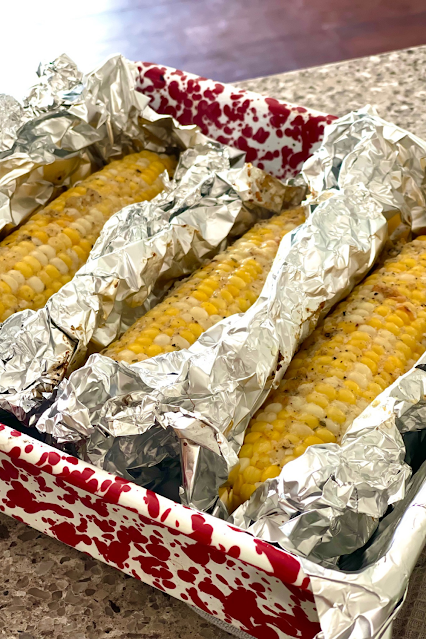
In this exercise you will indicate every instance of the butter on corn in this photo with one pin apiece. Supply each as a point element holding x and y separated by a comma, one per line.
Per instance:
<point>370,339</point>
<point>43,254</point>
<point>229,284</point>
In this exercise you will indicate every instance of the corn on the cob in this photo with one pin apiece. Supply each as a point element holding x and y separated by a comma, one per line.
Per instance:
<point>229,284</point>
<point>43,254</point>
<point>370,339</point>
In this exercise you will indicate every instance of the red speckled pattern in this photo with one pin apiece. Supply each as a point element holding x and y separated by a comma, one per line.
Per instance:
<point>192,556</point>
<point>276,136</point>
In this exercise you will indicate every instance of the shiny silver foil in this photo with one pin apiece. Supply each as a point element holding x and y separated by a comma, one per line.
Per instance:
<point>361,599</point>
<point>71,124</point>
<point>202,398</point>
<point>68,125</point>
<point>362,148</point>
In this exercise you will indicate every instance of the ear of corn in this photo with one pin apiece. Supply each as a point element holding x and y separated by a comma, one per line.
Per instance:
<point>43,254</point>
<point>370,339</point>
<point>229,284</point>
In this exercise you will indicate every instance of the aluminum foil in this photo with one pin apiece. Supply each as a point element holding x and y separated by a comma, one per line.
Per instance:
<point>362,148</point>
<point>361,599</point>
<point>203,397</point>
<point>70,124</point>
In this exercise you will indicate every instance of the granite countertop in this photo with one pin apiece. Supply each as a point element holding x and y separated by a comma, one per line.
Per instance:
<point>392,82</point>
<point>50,590</point>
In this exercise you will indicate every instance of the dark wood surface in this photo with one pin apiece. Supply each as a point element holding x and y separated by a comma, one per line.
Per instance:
<point>227,40</point>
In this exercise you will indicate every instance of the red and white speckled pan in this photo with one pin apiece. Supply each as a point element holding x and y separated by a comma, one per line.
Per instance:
<point>209,564</point>
<point>276,136</point>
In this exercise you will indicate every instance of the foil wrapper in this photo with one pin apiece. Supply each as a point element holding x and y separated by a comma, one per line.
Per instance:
<point>71,124</point>
<point>362,148</point>
<point>361,598</point>
<point>199,400</point>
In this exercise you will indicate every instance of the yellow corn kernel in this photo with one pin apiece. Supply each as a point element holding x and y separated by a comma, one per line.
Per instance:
<point>261,446</point>
<point>404,316</point>
<point>382,310</point>
<point>246,451</point>
<point>312,440</point>
<point>195,329</point>
<point>345,395</point>
<point>308,419</point>
<point>243,304</point>
<point>392,364</point>
<point>190,337</point>
<point>226,295</point>
<point>393,328</point>
<point>178,322</point>
<point>279,425</point>
<point>270,472</point>
<point>200,296</point>
<point>246,491</point>
<point>370,363</point>
<point>395,319</point>
<point>251,475</point>
<point>317,398</point>
<point>33,262</point>
<point>409,341</point>
<point>237,282</point>
<point>24,268</point>
<point>327,390</point>
<point>232,477</point>
<point>325,435</point>
<point>66,259</point>
<point>252,437</point>
<point>259,427</point>
<point>299,450</point>
<point>210,308</point>
<point>375,322</point>
<point>346,327</point>
<point>26,292</point>
<point>336,415</point>
<point>73,234</point>
<point>136,348</point>
<point>154,350</point>
<point>4,288</point>
<point>353,386</point>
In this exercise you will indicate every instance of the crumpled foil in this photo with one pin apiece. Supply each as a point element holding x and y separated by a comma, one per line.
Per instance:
<point>362,148</point>
<point>361,599</point>
<point>204,396</point>
<point>70,124</point>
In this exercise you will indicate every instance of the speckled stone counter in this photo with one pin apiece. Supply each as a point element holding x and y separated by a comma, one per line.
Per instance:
<point>50,590</point>
<point>393,83</point>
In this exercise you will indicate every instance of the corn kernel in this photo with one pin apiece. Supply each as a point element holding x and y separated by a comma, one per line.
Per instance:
<point>336,415</point>
<point>270,472</point>
<point>299,450</point>
<point>246,451</point>
<point>312,440</point>
<point>251,474</point>
<point>154,350</point>
<point>252,437</point>
<point>325,435</point>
